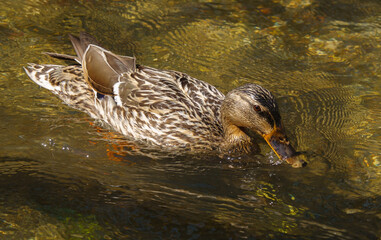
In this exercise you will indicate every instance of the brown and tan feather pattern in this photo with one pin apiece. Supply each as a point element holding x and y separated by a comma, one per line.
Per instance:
<point>65,81</point>
<point>162,108</point>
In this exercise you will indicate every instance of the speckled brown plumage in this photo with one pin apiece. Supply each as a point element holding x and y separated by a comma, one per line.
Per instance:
<point>162,108</point>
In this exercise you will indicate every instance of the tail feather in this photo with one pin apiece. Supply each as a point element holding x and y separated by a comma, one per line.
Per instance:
<point>70,83</point>
<point>40,74</point>
<point>62,56</point>
<point>81,43</point>
<point>67,83</point>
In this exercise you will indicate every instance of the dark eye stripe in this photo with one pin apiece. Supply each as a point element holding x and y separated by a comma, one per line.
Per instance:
<point>268,117</point>
<point>263,112</point>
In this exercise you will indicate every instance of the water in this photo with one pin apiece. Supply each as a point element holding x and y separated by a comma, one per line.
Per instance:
<point>320,58</point>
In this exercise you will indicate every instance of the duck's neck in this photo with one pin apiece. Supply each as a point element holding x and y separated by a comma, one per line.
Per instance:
<point>235,139</point>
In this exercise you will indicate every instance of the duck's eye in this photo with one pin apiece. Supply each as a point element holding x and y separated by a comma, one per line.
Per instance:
<point>257,108</point>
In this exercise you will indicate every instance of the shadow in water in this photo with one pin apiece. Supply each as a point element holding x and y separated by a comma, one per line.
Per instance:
<point>73,204</point>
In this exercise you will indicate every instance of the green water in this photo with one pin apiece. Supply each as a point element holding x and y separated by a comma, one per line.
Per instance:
<point>321,59</point>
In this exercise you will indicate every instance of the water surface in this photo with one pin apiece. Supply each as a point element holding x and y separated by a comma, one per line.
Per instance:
<point>320,58</point>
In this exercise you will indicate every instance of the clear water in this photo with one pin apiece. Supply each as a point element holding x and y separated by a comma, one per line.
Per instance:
<point>320,58</point>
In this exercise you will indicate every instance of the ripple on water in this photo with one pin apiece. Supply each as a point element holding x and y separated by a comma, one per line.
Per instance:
<point>320,59</point>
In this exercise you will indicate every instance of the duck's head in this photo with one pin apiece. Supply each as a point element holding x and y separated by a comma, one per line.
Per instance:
<point>253,108</point>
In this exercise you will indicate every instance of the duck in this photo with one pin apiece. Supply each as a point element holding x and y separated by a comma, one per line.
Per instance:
<point>164,108</point>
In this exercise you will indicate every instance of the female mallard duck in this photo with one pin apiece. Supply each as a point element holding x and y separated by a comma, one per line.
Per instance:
<point>164,108</point>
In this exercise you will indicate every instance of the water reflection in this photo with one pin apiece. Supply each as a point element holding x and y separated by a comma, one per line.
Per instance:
<point>321,58</point>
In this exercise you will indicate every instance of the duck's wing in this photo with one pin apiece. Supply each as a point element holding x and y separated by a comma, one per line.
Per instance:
<point>103,69</point>
<point>146,87</point>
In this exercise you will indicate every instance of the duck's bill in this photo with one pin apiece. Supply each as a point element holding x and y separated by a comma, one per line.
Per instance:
<point>283,149</point>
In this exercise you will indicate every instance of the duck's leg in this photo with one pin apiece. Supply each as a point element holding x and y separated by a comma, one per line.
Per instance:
<point>120,147</point>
